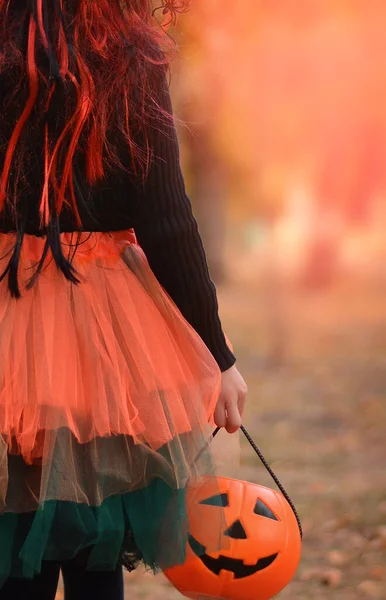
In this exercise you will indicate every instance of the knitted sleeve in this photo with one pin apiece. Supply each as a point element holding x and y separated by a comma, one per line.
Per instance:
<point>168,233</point>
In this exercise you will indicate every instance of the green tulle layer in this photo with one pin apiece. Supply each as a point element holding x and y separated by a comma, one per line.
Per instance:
<point>149,525</point>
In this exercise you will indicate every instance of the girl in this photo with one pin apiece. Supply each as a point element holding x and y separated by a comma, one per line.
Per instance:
<point>113,367</point>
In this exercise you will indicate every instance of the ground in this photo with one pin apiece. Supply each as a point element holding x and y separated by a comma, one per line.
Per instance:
<point>317,391</point>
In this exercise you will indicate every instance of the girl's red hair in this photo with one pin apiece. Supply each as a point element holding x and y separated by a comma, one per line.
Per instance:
<point>81,73</point>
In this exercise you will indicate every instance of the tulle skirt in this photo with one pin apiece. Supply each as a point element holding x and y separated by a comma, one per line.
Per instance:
<point>107,398</point>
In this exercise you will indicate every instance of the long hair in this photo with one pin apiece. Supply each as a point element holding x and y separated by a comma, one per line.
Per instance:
<point>81,73</point>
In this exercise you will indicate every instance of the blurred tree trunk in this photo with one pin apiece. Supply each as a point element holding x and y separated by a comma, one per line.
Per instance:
<point>208,196</point>
<point>322,253</point>
<point>322,257</point>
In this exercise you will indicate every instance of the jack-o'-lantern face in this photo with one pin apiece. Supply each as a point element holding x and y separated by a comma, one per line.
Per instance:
<point>260,548</point>
<point>236,531</point>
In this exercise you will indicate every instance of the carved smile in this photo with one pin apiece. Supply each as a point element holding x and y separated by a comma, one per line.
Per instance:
<point>223,563</point>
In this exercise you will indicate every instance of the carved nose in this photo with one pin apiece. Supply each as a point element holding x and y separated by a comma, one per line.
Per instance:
<point>236,531</point>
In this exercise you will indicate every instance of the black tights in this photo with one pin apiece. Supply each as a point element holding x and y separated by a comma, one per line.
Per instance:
<point>79,584</point>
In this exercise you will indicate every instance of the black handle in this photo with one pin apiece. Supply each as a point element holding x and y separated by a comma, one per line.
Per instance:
<point>265,463</point>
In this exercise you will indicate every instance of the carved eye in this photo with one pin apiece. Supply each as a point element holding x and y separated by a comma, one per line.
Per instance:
<point>236,531</point>
<point>220,500</point>
<point>262,510</point>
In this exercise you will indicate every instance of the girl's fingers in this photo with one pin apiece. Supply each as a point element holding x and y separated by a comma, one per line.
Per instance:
<point>241,403</point>
<point>220,415</point>
<point>231,403</point>
<point>233,421</point>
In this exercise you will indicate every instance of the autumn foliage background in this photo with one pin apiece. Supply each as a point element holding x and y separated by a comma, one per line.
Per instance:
<point>286,166</point>
<point>284,158</point>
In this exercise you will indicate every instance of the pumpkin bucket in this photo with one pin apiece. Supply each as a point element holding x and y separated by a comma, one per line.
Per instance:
<point>263,533</point>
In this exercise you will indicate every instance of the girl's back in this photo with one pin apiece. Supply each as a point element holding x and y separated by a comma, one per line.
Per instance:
<point>111,348</point>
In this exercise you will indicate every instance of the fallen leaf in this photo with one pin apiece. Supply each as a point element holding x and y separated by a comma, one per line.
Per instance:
<point>371,589</point>
<point>331,577</point>
<point>357,540</point>
<point>378,543</point>
<point>337,558</point>
<point>378,573</point>
<point>382,507</point>
<point>381,532</point>
<point>328,577</point>
<point>338,524</point>
<point>308,574</point>
<point>317,488</point>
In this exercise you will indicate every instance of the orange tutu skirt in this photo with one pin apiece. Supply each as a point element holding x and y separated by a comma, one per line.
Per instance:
<point>107,396</point>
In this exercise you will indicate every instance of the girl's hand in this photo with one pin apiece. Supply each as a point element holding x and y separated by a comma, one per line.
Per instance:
<point>231,403</point>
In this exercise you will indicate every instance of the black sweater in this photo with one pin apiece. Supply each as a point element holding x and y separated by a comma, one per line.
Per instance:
<point>161,214</point>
